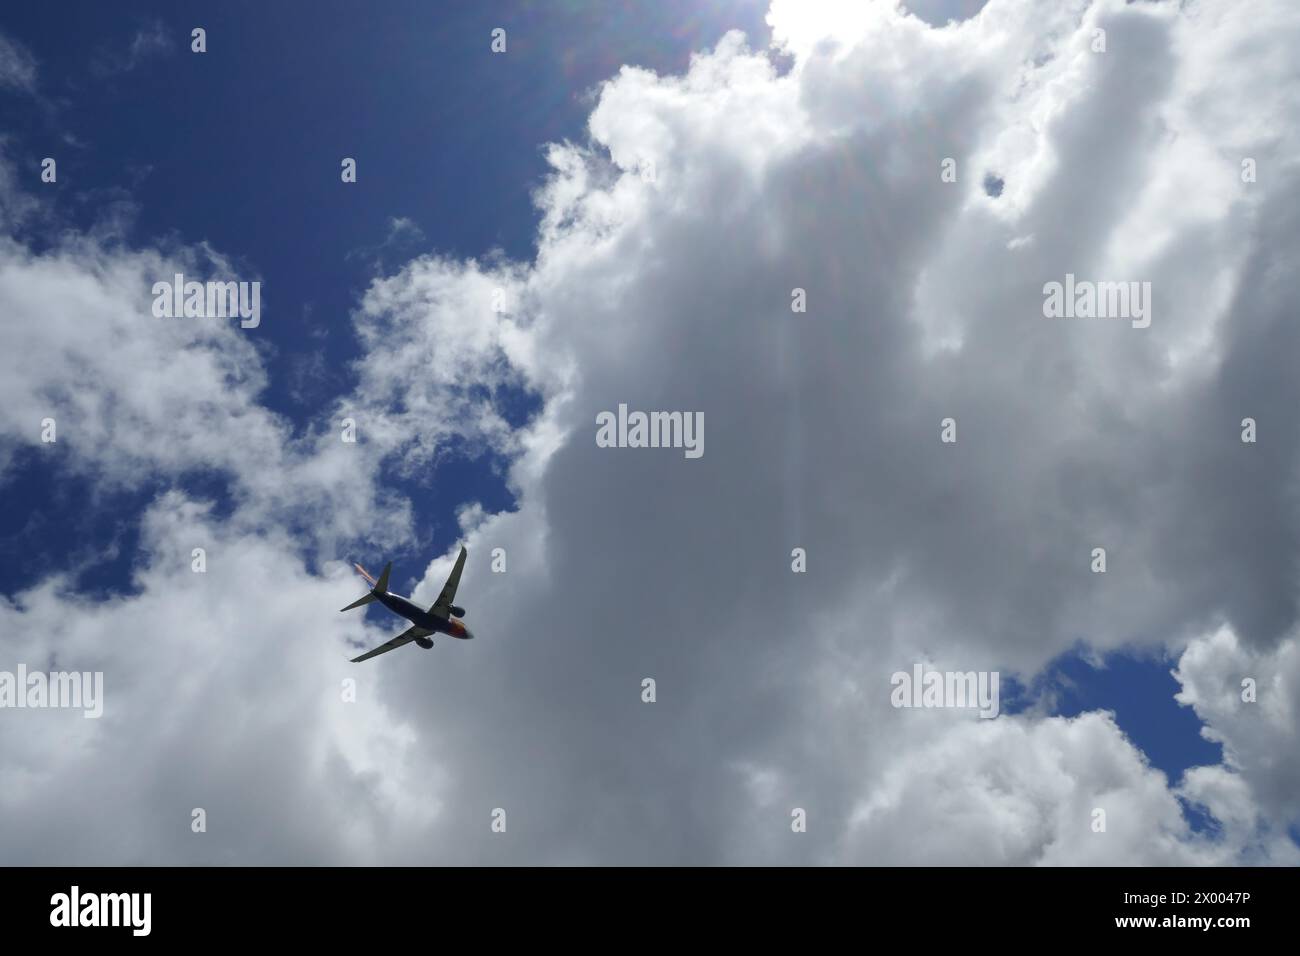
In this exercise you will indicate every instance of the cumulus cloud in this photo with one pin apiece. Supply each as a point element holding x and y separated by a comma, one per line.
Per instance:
<point>670,244</point>
<point>223,691</point>
<point>1248,700</point>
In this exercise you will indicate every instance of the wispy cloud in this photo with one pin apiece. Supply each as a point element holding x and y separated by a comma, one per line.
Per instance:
<point>17,66</point>
<point>150,40</point>
<point>403,239</point>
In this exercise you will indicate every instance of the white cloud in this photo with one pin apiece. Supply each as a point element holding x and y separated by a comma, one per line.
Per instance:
<point>1023,792</point>
<point>1261,738</point>
<point>222,691</point>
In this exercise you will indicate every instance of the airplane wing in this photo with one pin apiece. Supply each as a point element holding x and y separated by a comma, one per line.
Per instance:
<point>408,635</point>
<point>448,594</point>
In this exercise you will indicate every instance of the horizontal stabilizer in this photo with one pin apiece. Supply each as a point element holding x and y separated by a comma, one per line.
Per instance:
<point>358,602</point>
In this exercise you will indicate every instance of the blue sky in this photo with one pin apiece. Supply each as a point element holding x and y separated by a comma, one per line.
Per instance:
<point>240,149</point>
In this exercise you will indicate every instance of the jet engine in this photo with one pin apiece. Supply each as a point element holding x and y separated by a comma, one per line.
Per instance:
<point>424,642</point>
<point>458,611</point>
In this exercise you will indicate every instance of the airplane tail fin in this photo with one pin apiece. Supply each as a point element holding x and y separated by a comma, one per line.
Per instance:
<point>376,587</point>
<point>359,601</point>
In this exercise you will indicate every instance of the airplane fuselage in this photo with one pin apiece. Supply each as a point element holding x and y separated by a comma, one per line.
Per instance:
<point>418,616</point>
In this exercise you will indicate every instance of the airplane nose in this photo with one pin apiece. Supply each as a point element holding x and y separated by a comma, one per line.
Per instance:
<point>469,635</point>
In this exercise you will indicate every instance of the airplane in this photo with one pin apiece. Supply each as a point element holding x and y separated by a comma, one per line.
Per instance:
<point>436,620</point>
